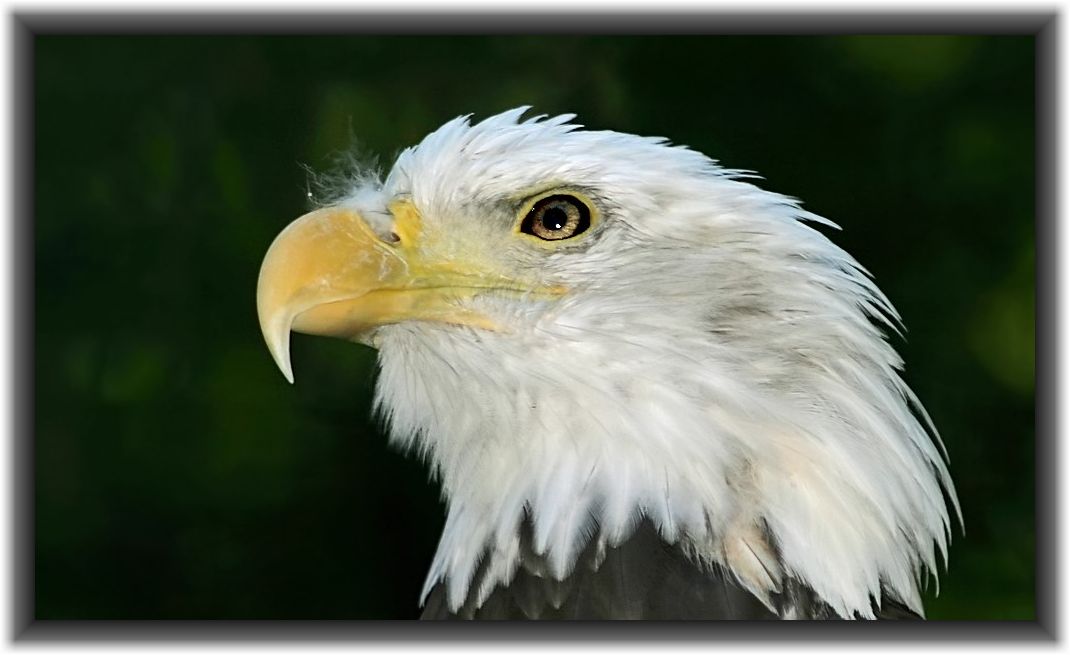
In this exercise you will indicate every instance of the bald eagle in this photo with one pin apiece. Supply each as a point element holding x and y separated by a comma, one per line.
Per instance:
<point>648,388</point>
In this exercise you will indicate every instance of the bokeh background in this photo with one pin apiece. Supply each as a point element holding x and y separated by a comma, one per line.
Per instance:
<point>179,476</point>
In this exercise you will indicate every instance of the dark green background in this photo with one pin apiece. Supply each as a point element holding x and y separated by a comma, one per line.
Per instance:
<point>179,476</point>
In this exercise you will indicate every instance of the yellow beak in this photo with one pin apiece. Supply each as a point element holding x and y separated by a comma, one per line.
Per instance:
<point>329,273</point>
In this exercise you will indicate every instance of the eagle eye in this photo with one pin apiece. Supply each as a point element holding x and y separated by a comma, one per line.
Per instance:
<point>557,217</point>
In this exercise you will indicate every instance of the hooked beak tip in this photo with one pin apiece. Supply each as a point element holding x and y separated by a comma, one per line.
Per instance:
<point>288,373</point>
<point>283,362</point>
<point>278,343</point>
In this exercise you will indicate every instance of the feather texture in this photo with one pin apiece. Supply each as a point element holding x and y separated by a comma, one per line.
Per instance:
<point>644,578</point>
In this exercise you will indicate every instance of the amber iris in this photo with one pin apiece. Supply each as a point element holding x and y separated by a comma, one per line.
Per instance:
<point>557,217</point>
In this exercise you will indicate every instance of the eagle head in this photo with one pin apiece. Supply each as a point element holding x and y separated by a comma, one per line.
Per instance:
<point>582,330</point>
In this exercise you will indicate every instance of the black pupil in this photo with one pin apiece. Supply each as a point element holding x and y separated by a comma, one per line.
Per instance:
<point>554,218</point>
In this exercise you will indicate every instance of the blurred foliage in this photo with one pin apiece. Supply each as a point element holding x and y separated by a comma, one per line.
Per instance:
<point>178,474</point>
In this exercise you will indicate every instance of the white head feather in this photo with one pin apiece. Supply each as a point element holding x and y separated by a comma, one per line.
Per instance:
<point>719,365</point>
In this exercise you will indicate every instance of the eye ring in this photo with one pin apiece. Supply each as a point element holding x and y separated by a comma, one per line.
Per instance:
<point>557,217</point>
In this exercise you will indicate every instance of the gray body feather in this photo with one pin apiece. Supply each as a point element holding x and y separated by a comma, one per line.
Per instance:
<point>643,578</point>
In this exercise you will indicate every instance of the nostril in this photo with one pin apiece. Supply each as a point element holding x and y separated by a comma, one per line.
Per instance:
<point>393,237</point>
